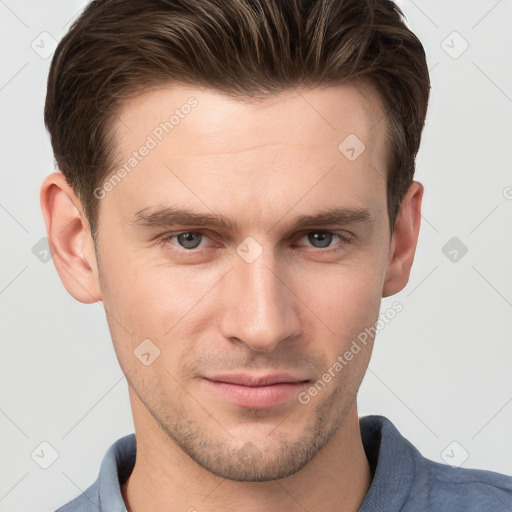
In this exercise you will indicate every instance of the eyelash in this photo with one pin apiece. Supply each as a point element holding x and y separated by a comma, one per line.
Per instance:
<point>166,239</point>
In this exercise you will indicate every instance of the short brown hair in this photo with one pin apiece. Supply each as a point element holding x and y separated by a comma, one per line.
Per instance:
<point>117,49</point>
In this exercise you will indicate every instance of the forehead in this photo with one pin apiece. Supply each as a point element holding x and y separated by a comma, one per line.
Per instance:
<point>209,150</point>
<point>289,115</point>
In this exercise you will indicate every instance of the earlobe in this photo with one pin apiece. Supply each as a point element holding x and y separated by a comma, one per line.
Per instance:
<point>403,244</point>
<point>70,239</point>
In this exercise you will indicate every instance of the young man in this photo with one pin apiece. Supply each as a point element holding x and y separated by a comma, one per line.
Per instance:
<point>237,188</point>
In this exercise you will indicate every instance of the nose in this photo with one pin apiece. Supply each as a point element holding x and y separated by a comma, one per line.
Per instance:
<point>259,308</point>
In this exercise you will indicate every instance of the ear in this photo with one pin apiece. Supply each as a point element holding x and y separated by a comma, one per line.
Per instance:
<point>70,240</point>
<point>404,240</point>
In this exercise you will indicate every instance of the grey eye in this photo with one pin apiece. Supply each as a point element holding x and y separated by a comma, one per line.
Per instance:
<point>189,240</point>
<point>323,239</point>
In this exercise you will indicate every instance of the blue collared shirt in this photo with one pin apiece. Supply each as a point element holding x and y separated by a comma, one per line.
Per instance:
<point>403,479</point>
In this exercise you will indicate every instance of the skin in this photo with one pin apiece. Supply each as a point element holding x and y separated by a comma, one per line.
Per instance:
<point>295,308</point>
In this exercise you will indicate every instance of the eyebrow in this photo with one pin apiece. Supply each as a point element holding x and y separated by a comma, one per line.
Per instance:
<point>171,216</point>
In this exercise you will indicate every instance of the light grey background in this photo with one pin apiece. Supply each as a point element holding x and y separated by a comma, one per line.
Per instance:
<point>441,370</point>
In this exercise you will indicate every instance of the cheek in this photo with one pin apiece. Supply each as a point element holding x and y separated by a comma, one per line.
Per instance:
<point>141,291</point>
<point>146,299</point>
<point>345,297</point>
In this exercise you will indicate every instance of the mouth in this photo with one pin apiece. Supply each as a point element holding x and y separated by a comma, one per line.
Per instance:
<point>256,391</point>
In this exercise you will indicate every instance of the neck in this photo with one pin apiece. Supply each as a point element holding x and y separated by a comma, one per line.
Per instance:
<point>165,478</point>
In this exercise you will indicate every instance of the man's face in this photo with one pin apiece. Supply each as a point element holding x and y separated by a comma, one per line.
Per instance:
<point>270,295</point>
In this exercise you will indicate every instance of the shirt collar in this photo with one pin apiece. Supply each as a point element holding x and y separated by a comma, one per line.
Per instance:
<point>115,469</point>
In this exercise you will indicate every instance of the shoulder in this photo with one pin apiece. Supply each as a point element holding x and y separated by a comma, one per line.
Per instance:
<point>406,481</point>
<point>450,488</point>
<point>88,501</point>
<point>105,494</point>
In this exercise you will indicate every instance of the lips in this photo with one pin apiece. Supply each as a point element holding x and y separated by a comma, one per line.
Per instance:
<point>255,391</point>
<point>244,379</point>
